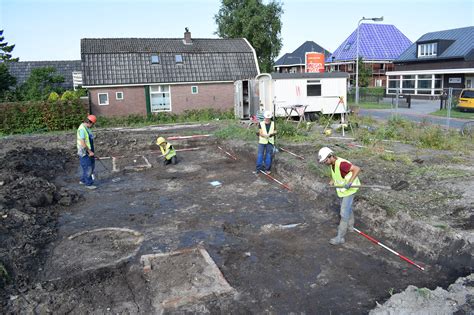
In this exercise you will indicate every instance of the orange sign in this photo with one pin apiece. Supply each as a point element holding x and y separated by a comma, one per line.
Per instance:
<point>314,62</point>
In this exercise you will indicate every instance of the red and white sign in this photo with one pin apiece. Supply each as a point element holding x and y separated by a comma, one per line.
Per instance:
<point>314,62</point>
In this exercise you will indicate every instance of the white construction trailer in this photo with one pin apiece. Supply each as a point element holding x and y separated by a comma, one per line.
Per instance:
<point>320,93</point>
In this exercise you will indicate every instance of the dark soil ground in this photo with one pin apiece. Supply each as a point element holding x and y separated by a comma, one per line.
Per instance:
<point>270,244</point>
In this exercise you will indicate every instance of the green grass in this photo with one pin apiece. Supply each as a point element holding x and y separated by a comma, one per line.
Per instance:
<point>455,113</point>
<point>370,105</point>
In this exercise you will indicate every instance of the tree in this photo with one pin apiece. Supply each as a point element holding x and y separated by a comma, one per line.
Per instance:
<point>6,79</point>
<point>260,24</point>
<point>365,73</point>
<point>5,50</point>
<point>40,84</point>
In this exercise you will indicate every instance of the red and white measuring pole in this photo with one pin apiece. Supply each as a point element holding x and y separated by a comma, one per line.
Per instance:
<point>298,156</point>
<point>233,157</point>
<point>373,240</point>
<point>187,137</point>
<point>276,180</point>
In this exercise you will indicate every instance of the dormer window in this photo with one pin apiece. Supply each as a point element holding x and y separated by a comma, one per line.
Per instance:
<point>155,59</point>
<point>178,58</point>
<point>427,50</point>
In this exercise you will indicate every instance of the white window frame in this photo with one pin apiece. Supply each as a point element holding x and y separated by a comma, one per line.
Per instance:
<point>427,50</point>
<point>194,87</point>
<point>178,62</point>
<point>98,98</point>
<point>160,91</point>
<point>116,96</point>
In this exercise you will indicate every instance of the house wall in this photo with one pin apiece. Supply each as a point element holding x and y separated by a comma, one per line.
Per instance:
<point>215,95</point>
<point>133,102</point>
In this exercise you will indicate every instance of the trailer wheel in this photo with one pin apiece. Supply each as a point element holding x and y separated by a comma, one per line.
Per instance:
<point>313,116</point>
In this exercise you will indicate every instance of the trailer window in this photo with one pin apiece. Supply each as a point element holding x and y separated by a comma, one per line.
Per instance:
<point>313,88</point>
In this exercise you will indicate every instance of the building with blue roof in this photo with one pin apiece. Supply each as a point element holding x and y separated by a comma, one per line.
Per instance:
<point>435,62</point>
<point>379,46</point>
<point>295,62</point>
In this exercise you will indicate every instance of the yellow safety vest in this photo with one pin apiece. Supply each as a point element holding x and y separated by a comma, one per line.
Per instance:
<point>341,181</point>
<point>263,140</point>
<point>169,152</point>
<point>86,139</point>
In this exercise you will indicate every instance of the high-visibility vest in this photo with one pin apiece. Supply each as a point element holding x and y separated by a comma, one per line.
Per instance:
<point>263,140</point>
<point>86,139</point>
<point>341,181</point>
<point>168,152</point>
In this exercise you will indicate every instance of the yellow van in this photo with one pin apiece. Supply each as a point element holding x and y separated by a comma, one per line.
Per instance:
<point>466,100</point>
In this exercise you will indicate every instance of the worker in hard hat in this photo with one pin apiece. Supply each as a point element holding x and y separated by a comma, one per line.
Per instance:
<point>85,150</point>
<point>167,151</point>
<point>266,141</point>
<point>344,176</point>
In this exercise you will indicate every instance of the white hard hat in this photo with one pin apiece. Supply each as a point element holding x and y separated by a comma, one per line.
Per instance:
<point>324,153</point>
<point>267,114</point>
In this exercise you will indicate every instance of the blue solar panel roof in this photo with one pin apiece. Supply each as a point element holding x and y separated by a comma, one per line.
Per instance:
<point>376,42</point>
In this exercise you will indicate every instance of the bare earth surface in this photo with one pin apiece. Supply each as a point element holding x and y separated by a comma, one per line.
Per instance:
<point>269,245</point>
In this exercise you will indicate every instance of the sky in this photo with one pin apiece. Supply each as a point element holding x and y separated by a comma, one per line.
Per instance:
<point>52,29</point>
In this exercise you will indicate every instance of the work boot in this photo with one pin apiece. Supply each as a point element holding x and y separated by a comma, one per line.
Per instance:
<point>350,228</point>
<point>341,232</point>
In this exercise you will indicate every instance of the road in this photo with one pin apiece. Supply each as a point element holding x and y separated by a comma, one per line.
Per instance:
<point>385,114</point>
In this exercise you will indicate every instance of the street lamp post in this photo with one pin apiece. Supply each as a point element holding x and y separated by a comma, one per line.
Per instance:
<point>357,54</point>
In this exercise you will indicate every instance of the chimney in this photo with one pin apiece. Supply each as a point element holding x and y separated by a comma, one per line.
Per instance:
<point>187,37</point>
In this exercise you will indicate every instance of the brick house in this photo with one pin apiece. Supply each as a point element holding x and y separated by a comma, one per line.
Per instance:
<point>379,46</point>
<point>149,75</point>
<point>436,61</point>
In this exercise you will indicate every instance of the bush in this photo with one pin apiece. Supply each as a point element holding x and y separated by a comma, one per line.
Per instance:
<point>68,96</point>
<point>53,97</point>
<point>27,117</point>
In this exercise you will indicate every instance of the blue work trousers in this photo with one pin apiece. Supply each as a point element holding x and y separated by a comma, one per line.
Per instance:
<point>346,207</point>
<point>264,151</point>
<point>88,166</point>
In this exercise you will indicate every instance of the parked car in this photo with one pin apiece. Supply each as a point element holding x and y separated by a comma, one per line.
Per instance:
<point>466,100</point>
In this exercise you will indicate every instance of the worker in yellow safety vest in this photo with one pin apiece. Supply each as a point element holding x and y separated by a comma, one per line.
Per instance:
<point>85,151</point>
<point>266,141</point>
<point>344,176</point>
<point>167,151</point>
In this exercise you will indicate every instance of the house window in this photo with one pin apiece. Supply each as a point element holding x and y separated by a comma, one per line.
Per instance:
<point>178,58</point>
<point>313,88</point>
<point>427,50</point>
<point>119,96</point>
<point>378,82</point>
<point>103,98</point>
<point>408,84</point>
<point>194,89</point>
<point>348,46</point>
<point>160,99</point>
<point>155,59</point>
<point>393,83</point>
<point>424,83</point>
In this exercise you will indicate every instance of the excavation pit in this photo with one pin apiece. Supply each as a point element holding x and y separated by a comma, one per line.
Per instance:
<point>183,277</point>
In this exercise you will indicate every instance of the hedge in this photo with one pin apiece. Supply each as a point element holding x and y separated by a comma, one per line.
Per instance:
<point>28,117</point>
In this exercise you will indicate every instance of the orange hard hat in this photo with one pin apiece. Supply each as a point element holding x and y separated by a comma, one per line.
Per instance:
<point>92,118</point>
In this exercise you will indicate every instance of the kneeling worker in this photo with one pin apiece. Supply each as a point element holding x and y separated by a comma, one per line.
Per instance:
<point>344,175</point>
<point>167,151</point>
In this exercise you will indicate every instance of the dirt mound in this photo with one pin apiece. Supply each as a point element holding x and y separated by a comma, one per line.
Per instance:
<point>458,299</point>
<point>29,207</point>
